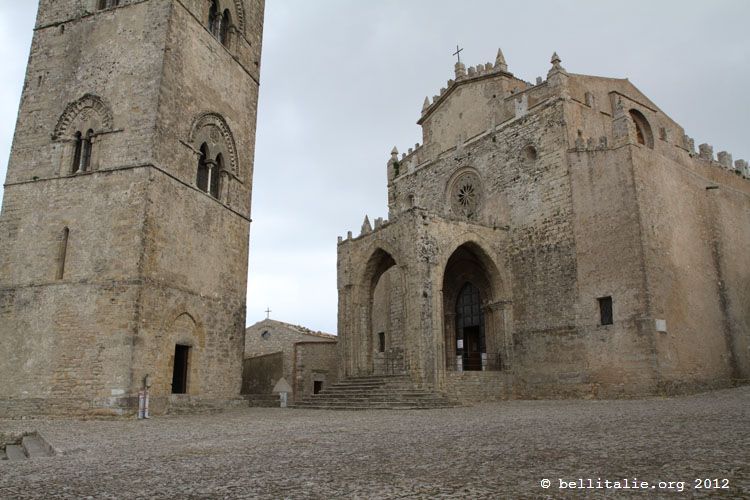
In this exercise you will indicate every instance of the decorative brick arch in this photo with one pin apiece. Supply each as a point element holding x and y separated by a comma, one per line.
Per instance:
<point>239,9</point>
<point>212,129</point>
<point>89,103</point>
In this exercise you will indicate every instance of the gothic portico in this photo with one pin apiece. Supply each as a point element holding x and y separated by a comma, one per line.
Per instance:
<point>522,255</point>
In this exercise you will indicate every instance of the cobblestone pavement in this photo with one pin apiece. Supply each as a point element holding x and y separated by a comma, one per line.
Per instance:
<point>499,450</point>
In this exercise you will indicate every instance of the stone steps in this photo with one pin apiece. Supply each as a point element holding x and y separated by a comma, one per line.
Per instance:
<point>15,452</point>
<point>262,400</point>
<point>184,404</point>
<point>31,446</point>
<point>35,446</point>
<point>395,392</point>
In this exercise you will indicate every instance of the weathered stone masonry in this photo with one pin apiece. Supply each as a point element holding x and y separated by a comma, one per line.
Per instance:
<point>555,239</point>
<point>112,252</point>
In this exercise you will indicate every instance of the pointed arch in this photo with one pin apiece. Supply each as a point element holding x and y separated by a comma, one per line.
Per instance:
<point>378,342</point>
<point>378,263</point>
<point>474,298</point>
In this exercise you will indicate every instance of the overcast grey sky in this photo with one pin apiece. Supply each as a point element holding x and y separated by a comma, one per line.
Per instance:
<point>343,81</point>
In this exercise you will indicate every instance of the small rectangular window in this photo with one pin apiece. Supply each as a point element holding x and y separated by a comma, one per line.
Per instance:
<point>605,310</point>
<point>381,342</point>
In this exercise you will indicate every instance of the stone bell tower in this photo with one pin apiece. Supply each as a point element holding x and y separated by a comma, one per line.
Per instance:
<point>125,221</point>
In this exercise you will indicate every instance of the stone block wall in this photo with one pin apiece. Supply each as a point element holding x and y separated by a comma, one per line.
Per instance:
<point>314,362</point>
<point>478,387</point>
<point>151,260</point>
<point>260,373</point>
<point>581,192</point>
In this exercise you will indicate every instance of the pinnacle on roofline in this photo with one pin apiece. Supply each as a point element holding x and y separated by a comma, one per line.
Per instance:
<point>500,63</point>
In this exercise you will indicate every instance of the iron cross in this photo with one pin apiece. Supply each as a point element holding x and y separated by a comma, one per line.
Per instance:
<point>457,53</point>
<point>268,312</point>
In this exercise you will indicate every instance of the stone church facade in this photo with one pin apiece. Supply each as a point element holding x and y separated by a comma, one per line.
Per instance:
<point>556,239</point>
<point>125,221</point>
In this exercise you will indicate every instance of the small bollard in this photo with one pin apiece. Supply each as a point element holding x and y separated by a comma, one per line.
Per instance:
<point>283,399</point>
<point>143,398</point>
<point>141,403</point>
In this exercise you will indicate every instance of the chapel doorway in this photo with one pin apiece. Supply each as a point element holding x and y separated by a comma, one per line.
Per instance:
<point>473,315</point>
<point>470,343</point>
<point>180,370</point>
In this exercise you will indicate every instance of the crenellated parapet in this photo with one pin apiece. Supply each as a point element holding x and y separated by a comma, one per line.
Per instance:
<point>723,160</point>
<point>464,75</point>
<point>366,229</point>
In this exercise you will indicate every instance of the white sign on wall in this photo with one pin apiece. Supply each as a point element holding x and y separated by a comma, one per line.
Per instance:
<point>460,344</point>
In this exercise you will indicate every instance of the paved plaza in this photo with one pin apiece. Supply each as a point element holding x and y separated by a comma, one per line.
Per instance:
<point>498,450</point>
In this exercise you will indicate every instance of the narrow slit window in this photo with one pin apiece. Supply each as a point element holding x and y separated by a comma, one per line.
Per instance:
<point>605,311</point>
<point>62,253</point>
<point>381,342</point>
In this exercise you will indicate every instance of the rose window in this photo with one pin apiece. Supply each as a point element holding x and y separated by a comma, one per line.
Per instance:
<point>465,195</point>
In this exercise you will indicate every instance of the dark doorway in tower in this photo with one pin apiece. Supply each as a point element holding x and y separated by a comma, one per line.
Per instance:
<point>180,373</point>
<point>470,327</point>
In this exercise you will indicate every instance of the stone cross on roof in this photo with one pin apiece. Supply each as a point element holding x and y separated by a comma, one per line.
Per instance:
<point>457,53</point>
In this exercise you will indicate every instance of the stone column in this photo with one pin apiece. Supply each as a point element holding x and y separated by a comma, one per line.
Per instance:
<point>500,334</point>
<point>491,346</point>
<point>211,165</point>
<point>449,330</point>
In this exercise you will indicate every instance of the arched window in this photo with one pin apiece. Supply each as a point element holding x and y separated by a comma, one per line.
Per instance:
<point>643,134</point>
<point>215,176</point>
<point>203,171</point>
<point>82,152</point>
<point>214,19</point>
<point>77,153</point>
<point>213,143</point>
<point>226,21</point>
<point>86,151</point>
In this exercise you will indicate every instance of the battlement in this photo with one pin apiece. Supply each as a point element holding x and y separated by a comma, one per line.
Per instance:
<point>462,76</point>
<point>444,127</point>
<point>366,229</point>
<point>723,160</point>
